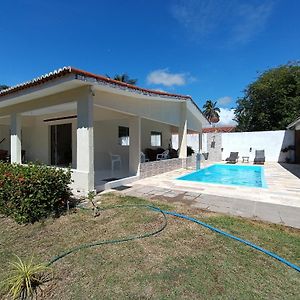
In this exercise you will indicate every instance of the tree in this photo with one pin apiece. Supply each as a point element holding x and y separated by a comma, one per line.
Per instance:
<point>211,111</point>
<point>272,101</point>
<point>124,78</point>
<point>3,87</point>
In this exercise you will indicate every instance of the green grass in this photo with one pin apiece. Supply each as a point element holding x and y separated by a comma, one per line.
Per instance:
<point>185,261</point>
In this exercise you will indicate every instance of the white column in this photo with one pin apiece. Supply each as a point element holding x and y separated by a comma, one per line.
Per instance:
<point>134,145</point>
<point>182,132</point>
<point>85,140</point>
<point>200,142</point>
<point>15,138</point>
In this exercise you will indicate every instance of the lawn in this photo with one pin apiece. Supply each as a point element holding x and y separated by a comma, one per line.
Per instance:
<point>185,261</point>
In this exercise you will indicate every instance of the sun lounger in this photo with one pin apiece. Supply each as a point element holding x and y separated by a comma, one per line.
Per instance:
<point>233,157</point>
<point>259,157</point>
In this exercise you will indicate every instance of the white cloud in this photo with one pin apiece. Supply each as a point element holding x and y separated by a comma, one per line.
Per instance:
<point>164,77</point>
<point>161,90</point>
<point>254,19</point>
<point>226,117</point>
<point>224,100</point>
<point>230,21</point>
<point>196,15</point>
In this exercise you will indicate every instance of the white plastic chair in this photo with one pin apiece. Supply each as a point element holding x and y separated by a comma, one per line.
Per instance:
<point>163,155</point>
<point>115,160</point>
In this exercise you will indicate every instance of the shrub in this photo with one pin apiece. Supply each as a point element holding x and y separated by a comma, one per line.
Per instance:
<point>32,192</point>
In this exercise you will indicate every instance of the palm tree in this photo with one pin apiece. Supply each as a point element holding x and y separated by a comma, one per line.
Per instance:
<point>123,78</point>
<point>211,111</point>
<point>3,87</point>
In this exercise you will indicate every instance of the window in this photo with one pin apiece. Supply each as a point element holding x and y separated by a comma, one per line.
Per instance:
<point>123,136</point>
<point>155,139</point>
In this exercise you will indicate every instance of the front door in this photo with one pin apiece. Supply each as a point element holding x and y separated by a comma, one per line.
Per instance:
<point>61,145</point>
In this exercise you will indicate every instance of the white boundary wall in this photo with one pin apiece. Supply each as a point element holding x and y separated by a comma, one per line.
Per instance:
<point>270,141</point>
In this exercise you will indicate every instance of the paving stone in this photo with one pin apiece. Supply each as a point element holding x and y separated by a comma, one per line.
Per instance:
<point>278,203</point>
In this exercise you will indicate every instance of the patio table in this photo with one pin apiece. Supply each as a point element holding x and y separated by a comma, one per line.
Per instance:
<point>245,159</point>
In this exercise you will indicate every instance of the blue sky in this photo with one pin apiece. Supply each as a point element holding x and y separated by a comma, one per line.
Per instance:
<point>209,49</point>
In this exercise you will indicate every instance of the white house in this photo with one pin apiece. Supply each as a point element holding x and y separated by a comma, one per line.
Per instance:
<point>70,117</point>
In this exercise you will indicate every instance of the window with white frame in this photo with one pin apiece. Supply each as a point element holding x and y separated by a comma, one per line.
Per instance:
<point>155,139</point>
<point>123,136</point>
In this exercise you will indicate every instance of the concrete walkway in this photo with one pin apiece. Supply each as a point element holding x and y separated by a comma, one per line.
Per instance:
<point>279,203</point>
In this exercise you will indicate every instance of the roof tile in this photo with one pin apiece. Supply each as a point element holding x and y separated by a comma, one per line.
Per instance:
<point>70,70</point>
<point>219,129</point>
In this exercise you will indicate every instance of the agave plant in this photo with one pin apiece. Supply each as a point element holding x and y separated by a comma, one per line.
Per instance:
<point>25,278</point>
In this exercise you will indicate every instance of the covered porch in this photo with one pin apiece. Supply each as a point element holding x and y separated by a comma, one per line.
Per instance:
<point>98,130</point>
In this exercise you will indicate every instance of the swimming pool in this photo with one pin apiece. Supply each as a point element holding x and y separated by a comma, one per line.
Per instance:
<point>252,176</point>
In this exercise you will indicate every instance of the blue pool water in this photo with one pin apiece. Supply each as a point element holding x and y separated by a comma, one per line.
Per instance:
<point>252,176</point>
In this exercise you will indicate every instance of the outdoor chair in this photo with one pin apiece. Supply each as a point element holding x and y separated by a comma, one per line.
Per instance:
<point>233,157</point>
<point>259,157</point>
<point>115,160</point>
<point>143,157</point>
<point>162,156</point>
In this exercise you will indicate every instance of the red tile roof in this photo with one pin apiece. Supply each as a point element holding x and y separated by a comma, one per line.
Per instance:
<point>99,78</point>
<point>219,129</point>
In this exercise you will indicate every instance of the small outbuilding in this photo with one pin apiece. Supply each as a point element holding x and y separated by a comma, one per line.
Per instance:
<point>296,126</point>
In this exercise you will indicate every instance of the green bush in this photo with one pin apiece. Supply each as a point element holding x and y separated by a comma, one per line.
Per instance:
<point>32,192</point>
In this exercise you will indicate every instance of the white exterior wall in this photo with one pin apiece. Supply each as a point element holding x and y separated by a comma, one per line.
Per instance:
<point>106,140</point>
<point>204,143</point>
<point>135,146</point>
<point>192,141</point>
<point>270,141</point>
<point>36,140</point>
<point>147,126</point>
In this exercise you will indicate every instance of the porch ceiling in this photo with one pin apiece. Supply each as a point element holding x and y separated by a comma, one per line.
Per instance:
<point>67,109</point>
<point>52,109</point>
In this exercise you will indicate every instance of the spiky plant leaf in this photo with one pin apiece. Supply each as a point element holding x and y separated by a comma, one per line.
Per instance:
<point>24,278</point>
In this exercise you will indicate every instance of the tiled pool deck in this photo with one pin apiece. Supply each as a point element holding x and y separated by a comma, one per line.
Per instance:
<point>278,203</point>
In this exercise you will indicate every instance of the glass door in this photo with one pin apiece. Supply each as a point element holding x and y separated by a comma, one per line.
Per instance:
<point>61,145</point>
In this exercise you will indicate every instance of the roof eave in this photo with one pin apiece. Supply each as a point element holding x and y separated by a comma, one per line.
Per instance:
<point>290,126</point>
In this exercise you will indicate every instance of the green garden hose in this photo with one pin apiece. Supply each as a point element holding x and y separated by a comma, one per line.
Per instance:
<point>161,228</point>
<point>115,241</point>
